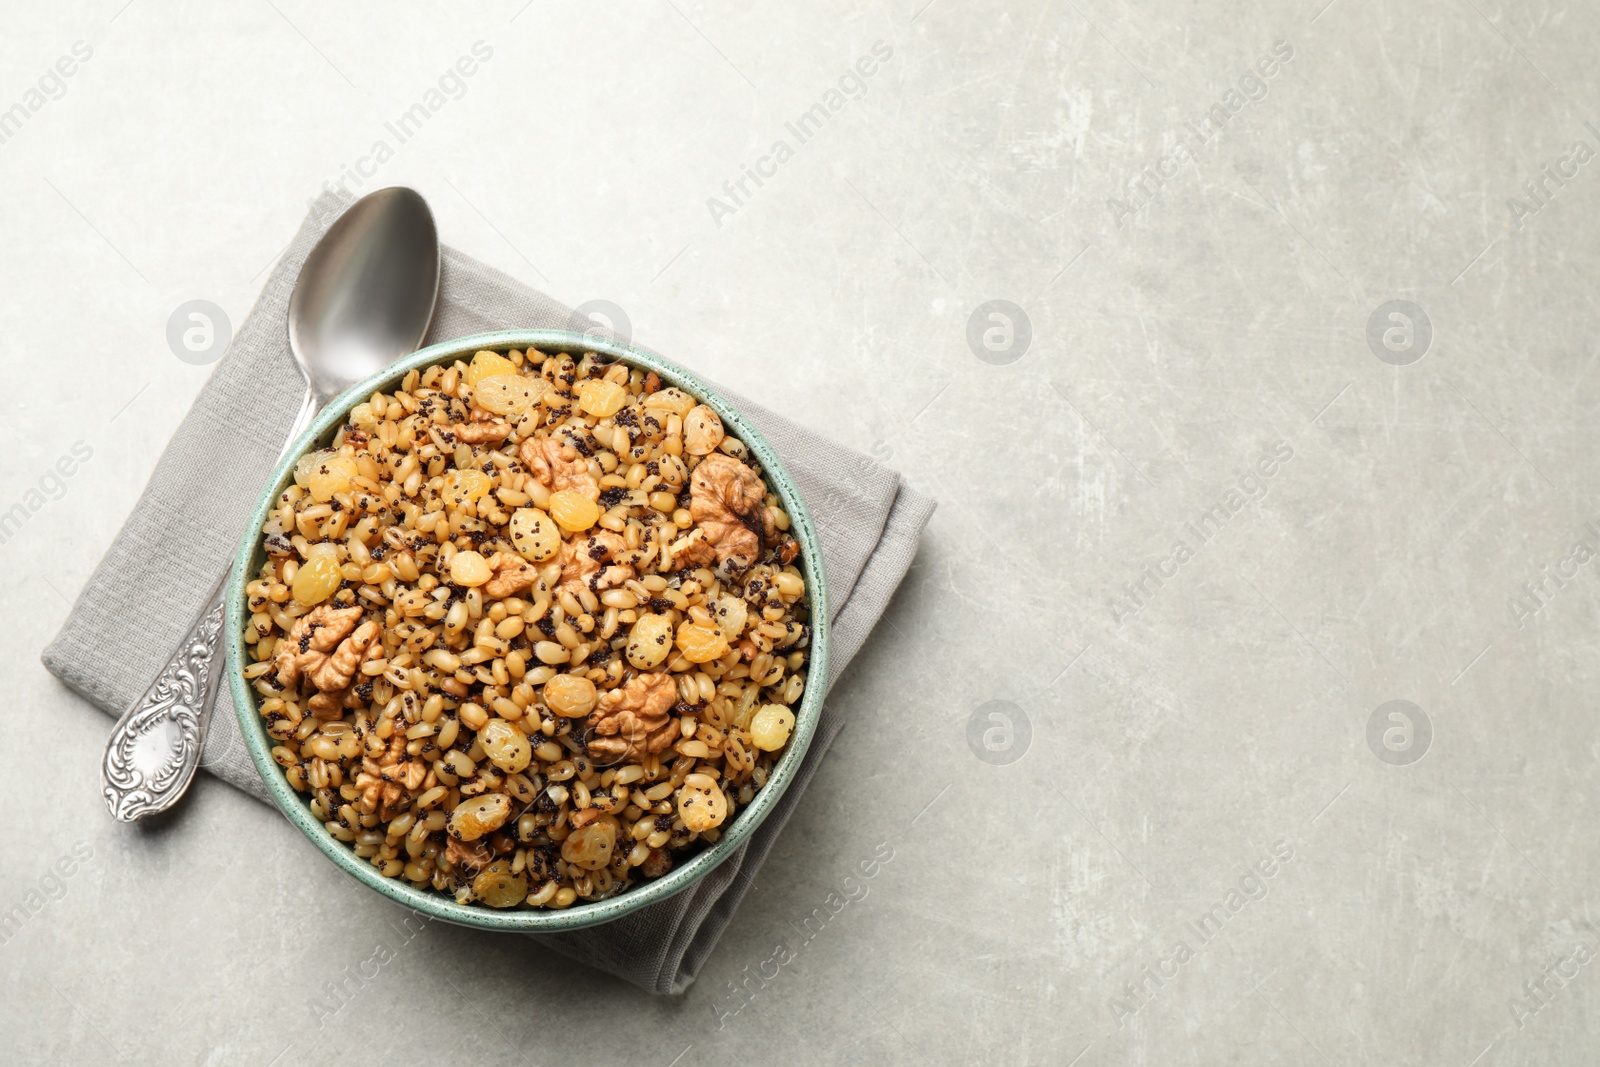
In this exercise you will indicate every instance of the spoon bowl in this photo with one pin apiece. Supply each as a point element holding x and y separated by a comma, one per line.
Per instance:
<point>366,292</point>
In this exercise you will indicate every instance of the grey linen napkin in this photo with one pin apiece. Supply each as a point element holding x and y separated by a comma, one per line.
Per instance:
<point>181,535</point>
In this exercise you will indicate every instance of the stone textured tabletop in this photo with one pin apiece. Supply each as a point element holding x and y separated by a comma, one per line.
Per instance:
<point>1239,707</point>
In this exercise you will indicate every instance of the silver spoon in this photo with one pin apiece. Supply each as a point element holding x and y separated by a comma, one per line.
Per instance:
<point>364,298</point>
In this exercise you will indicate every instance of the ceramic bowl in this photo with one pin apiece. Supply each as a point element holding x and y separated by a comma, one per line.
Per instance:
<point>250,556</point>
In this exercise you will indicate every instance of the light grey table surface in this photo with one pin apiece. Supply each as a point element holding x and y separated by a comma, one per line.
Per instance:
<point>1205,256</point>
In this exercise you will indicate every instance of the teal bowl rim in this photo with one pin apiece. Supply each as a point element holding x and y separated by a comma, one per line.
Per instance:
<point>430,902</point>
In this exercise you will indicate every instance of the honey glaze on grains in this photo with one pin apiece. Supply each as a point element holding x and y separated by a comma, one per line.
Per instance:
<point>530,630</point>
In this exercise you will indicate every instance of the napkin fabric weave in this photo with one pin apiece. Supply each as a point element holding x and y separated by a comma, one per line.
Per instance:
<point>155,577</point>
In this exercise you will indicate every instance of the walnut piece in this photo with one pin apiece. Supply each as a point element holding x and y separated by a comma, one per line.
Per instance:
<point>333,705</point>
<point>483,428</point>
<point>632,721</point>
<point>697,551</point>
<point>333,674</point>
<point>583,563</point>
<point>467,853</point>
<point>725,499</point>
<point>388,782</point>
<point>314,635</point>
<point>558,466</point>
<point>511,574</point>
<point>327,706</point>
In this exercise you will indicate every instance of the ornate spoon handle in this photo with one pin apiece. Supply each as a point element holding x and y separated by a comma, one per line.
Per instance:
<point>155,747</point>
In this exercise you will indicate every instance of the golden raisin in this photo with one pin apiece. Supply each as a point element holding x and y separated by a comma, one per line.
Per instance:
<point>469,568</point>
<point>700,643</point>
<point>487,364</point>
<point>510,394</point>
<point>671,398</point>
<point>731,613</point>
<point>479,815</point>
<point>498,887</point>
<point>771,726</point>
<point>573,511</point>
<point>570,695</point>
<point>506,746</point>
<point>317,579</point>
<point>308,463</point>
<point>591,846</point>
<point>601,398</point>
<point>330,476</point>
<point>649,641</point>
<point>701,804</point>
<point>461,486</point>
<point>702,431</point>
<point>534,535</point>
